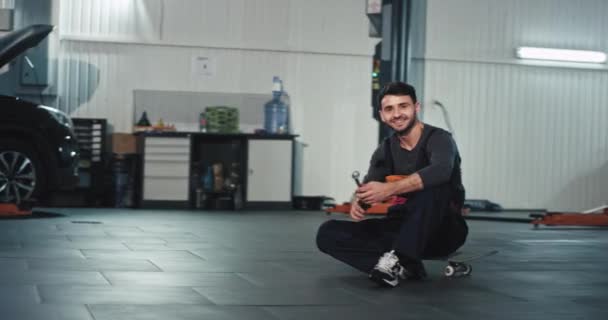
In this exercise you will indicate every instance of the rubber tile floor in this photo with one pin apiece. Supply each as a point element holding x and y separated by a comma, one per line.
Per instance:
<point>115,264</point>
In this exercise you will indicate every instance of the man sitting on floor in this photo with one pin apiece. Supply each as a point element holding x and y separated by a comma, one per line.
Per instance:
<point>426,220</point>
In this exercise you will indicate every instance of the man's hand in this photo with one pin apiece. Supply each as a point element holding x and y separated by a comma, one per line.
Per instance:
<point>374,192</point>
<point>356,212</point>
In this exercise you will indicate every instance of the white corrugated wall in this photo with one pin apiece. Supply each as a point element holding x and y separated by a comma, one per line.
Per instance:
<point>530,136</point>
<point>321,50</point>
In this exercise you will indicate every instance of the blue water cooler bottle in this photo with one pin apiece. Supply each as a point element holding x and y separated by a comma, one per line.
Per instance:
<point>275,110</point>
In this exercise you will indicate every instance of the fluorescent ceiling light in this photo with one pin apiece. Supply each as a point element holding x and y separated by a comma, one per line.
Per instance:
<point>561,55</point>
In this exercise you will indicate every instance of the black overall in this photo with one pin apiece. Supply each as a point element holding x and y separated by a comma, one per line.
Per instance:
<point>428,224</point>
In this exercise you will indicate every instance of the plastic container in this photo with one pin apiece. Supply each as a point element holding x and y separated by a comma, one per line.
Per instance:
<point>276,110</point>
<point>208,180</point>
<point>202,122</point>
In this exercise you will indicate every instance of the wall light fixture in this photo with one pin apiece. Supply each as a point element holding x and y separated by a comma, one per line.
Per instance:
<point>561,55</point>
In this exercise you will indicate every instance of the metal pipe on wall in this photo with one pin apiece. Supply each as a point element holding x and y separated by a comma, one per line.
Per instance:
<point>395,55</point>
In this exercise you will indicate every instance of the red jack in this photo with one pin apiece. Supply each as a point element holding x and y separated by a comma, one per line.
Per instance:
<point>596,217</point>
<point>12,210</point>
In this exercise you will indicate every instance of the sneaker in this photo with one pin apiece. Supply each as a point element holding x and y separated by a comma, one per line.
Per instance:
<point>387,271</point>
<point>413,271</point>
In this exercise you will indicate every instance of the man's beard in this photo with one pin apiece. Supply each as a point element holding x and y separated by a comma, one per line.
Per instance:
<point>409,127</point>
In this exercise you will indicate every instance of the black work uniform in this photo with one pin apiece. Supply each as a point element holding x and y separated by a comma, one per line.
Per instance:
<point>428,224</point>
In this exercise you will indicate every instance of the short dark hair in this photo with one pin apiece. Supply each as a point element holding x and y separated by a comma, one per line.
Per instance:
<point>396,89</point>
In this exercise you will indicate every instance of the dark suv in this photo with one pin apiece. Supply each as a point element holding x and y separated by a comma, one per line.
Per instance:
<point>38,148</point>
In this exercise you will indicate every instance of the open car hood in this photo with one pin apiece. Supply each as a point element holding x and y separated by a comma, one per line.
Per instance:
<point>16,42</point>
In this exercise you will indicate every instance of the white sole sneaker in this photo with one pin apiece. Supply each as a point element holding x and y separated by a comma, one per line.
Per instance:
<point>382,279</point>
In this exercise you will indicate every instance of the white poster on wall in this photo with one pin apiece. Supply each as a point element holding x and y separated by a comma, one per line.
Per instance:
<point>203,66</point>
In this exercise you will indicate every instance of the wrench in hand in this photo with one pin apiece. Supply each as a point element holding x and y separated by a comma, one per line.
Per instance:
<point>362,204</point>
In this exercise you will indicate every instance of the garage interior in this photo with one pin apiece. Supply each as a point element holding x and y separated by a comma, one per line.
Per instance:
<point>193,202</point>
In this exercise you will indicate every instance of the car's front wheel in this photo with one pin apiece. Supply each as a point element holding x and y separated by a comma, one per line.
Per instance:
<point>21,177</point>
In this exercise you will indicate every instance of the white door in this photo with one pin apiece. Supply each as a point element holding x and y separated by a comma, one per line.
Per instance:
<point>269,166</point>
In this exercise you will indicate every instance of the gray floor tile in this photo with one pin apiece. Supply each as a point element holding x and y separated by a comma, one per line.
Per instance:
<point>178,312</point>
<point>329,266</point>
<point>505,310</point>
<point>18,295</point>
<point>49,253</point>
<point>91,265</point>
<point>135,232</point>
<point>175,245</point>
<point>164,235</point>
<point>26,229</point>
<point>84,232</point>
<point>10,245</point>
<point>595,302</point>
<point>406,311</point>
<point>156,264</point>
<point>539,292</point>
<point>175,236</point>
<point>139,255</point>
<point>262,246</point>
<point>572,277</point>
<point>272,296</point>
<point>52,277</point>
<point>124,240</point>
<point>174,279</point>
<point>199,265</point>
<point>46,312</point>
<point>292,279</point>
<point>12,264</point>
<point>67,244</point>
<point>104,226</point>
<point>539,265</point>
<point>257,255</point>
<point>102,229</point>
<point>435,291</point>
<point>77,295</point>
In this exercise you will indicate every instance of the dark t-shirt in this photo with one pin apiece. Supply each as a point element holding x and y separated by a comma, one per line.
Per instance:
<point>441,153</point>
